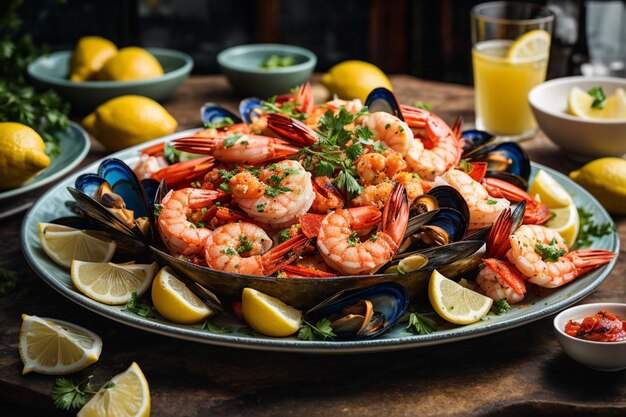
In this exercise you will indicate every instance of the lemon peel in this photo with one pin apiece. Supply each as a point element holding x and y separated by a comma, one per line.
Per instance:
<point>89,56</point>
<point>268,315</point>
<point>354,79</point>
<point>605,179</point>
<point>22,154</point>
<point>174,301</point>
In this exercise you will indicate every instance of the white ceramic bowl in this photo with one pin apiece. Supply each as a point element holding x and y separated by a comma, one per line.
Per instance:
<point>581,137</point>
<point>602,356</point>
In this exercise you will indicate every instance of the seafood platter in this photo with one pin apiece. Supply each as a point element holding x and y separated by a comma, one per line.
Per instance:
<point>341,210</point>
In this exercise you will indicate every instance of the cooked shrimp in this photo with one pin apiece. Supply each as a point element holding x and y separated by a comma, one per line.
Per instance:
<point>542,256</point>
<point>500,280</point>
<point>484,209</point>
<point>327,197</point>
<point>148,165</point>
<point>244,248</point>
<point>342,249</point>
<point>435,148</point>
<point>278,196</point>
<point>179,234</point>
<point>390,130</point>
<point>374,168</point>
<point>377,195</point>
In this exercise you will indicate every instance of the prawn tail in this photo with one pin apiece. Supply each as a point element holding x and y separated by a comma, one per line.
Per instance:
<point>292,130</point>
<point>396,214</point>
<point>284,254</point>
<point>587,260</point>
<point>507,222</point>
<point>508,273</point>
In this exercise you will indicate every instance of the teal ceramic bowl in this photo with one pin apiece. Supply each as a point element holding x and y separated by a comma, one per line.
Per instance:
<point>242,66</point>
<point>52,71</point>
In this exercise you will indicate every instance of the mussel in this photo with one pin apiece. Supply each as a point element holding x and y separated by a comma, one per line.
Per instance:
<point>214,115</point>
<point>449,197</point>
<point>441,227</point>
<point>506,160</point>
<point>362,313</point>
<point>250,109</point>
<point>382,100</point>
<point>473,139</point>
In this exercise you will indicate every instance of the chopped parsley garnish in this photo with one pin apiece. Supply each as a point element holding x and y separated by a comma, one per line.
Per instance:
<point>321,331</point>
<point>260,207</point>
<point>226,121</point>
<point>423,105</point>
<point>589,229</point>
<point>67,395</point>
<point>275,191</point>
<point>374,237</point>
<point>492,202</point>
<point>420,324</point>
<point>501,306</point>
<point>287,108</point>
<point>284,235</point>
<point>134,305</point>
<point>277,61</point>
<point>353,239</point>
<point>549,253</point>
<point>597,93</point>
<point>230,251</point>
<point>157,209</point>
<point>231,140</point>
<point>244,244</point>
<point>212,328</point>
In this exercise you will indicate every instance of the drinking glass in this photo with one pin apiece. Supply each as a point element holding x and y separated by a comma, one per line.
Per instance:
<point>509,58</point>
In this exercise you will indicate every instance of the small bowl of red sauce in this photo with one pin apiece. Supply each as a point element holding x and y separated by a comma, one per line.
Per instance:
<point>594,335</point>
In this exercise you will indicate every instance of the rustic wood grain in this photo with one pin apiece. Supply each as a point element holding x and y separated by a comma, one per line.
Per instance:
<point>517,372</point>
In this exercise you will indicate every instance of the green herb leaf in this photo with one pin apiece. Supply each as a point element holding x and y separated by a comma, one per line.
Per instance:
<point>420,324</point>
<point>276,61</point>
<point>501,306</point>
<point>492,202</point>
<point>8,281</point>
<point>598,97</point>
<point>422,105</point>
<point>549,253</point>
<point>589,229</point>
<point>244,244</point>
<point>231,140</point>
<point>134,305</point>
<point>353,239</point>
<point>275,191</point>
<point>226,121</point>
<point>321,331</point>
<point>67,395</point>
<point>212,328</point>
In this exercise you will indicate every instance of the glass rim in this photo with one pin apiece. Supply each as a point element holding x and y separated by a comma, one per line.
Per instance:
<point>476,13</point>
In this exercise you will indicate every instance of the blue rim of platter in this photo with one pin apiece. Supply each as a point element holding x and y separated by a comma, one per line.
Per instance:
<point>395,339</point>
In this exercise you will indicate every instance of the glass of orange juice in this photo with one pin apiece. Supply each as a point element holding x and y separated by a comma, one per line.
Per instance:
<point>510,50</point>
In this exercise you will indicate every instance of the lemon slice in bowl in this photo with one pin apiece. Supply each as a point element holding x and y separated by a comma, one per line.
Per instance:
<point>125,395</point>
<point>56,347</point>
<point>579,103</point>
<point>268,315</point>
<point>531,44</point>
<point>111,283</point>
<point>566,222</point>
<point>174,301</point>
<point>455,303</point>
<point>64,244</point>
<point>550,192</point>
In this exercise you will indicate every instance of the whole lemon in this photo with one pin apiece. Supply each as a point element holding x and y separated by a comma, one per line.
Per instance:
<point>354,79</point>
<point>90,55</point>
<point>127,121</point>
<point>131,63</point>
<point>605,178</point>
<point>22,154</point>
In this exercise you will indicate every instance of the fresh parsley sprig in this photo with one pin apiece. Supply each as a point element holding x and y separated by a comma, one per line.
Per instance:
<point>550,252</point>
<point>8,281</point>
<point>212,328</point>
<point>321,331</point>
<point>420,324</point>
<point>134,305</point>
<point>590,229</point>
<point>67,395</point>
<point>597,93</point>
<point>501,306</point>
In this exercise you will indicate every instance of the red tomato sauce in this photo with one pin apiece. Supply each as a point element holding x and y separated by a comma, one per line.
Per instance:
<point>602,327</point>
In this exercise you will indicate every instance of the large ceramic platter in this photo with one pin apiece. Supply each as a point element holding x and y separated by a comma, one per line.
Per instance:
<point>74,143</point>
<point>51,206</point>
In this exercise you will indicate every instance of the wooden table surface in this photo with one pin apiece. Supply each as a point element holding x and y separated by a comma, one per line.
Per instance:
<point>517,372</point>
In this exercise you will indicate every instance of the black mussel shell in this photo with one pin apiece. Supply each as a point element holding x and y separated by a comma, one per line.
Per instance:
<point>435,257</point>
<point>446,226</point>
<point>89,184</point>
<point>507,156</point>
<point>417,221</point>
<point>390,301</point>
<point>215,115</point>
<point>448,196</point>
<point>473,139</point>
<point>250,108</point>
<point>124,183</point>
<point>382,100</point>
<point>151,189</point>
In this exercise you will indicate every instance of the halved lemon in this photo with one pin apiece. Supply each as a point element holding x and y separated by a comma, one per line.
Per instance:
<point>454,303</point>
<point>268,315</point>
<point>550,192</point>
<point>174,301</point>
<point>531,44</point>
<point>64,244</point>
<point>111,283</point>
<point>566,222</point>
<point>579,104</point>
<point>125,395</point>
<point>56,347</point>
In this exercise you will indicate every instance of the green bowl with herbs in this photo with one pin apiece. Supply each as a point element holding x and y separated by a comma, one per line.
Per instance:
<point>265,70</point>
<point>52,72</point>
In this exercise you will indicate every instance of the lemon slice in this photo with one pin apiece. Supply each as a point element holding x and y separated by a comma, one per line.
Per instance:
<point>64,244</point>
<point>268,315</point>
<point>550,192</point>
<point>55,347</point>
<point>111,283</point>
<point>566,222</point>
<point>454,303</point>
<point>125,395</point>
<point>579,104</point>
<point>531,44</point>
<point>174,301</point>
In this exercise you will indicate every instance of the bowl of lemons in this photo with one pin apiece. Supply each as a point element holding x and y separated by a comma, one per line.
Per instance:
<point>585,116</point>
<point>97,71</point>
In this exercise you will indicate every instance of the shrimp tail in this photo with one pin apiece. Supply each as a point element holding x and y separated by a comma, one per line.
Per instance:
<point>360,218</point>
<point>588,259</point>
<point>396,214</point>
<point>284,254</point>
<point>507,222</point>
<point>291,130</point>
<point>304,99</point>
<point>180,175</point>
<point>508,273</point>
<point>535,213</point>
<point>296,271</point>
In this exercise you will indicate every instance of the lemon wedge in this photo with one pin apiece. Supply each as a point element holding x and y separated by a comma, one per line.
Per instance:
<point>566,222</point>
<point>579,104</point>
<point>111,283</point>
<point>125,395</point>
<point>531,44</point>
<point>455,303</point>
<point>268,315</point>
<point>64,244</point>
<point>174,301</point>
<point>56,347</point>
<point>550,192</point>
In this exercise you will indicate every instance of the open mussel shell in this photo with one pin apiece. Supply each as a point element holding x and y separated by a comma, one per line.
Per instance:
<point>445,226</point>
<point>362,313</point>
<point>439,257</point>
<point>382,99</point>
<point>503,157</point>
<point>89,184</point>
<point>304,293</point>
<point>213,114</point>
<point>449,197</point>
<point>473,139</point>
<point>250,109</point>
<point>124,182</point>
